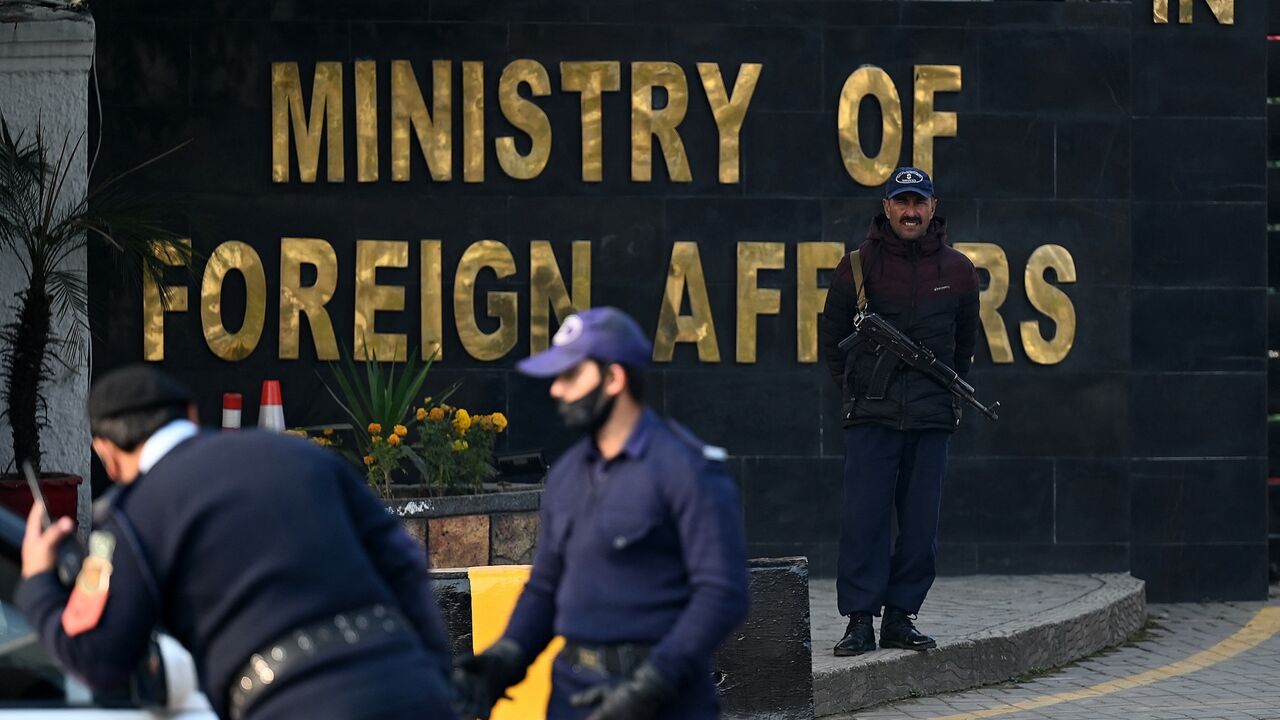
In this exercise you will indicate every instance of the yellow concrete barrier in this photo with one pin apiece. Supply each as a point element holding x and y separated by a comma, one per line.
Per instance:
<point>494,591</point>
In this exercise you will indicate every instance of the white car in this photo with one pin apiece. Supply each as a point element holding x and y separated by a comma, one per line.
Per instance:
<point>33,687</point>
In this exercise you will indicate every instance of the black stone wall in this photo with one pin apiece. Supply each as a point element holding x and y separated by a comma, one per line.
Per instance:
<point>1138,147</point>
<point>1273,282</point>
<point>1199,306</point>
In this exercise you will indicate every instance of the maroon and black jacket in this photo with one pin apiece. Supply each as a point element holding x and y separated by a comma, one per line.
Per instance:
<point>928,290</point>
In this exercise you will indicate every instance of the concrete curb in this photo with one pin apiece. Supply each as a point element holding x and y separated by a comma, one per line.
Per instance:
<point>1100,618</point>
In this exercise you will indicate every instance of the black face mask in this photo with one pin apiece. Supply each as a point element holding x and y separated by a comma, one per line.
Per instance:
<point>588,413</point>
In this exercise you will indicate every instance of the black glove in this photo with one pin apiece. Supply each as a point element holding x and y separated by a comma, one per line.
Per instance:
<point>481,680</point>
<point>639,697</point>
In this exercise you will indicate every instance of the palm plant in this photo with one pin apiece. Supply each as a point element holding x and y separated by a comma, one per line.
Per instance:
<point>45,226</point>
<point>377,402</point>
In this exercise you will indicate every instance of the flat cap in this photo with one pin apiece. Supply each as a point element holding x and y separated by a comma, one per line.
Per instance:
<point>135,387</point>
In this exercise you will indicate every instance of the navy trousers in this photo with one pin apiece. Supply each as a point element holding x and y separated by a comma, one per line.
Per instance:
<point>886,468</point>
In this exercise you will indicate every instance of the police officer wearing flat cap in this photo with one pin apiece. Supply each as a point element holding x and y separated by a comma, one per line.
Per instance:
<point>296,592</point>
<point>641,559</point>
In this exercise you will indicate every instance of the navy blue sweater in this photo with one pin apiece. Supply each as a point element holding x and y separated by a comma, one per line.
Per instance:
<point>645,548</point>
<point>228,542</point>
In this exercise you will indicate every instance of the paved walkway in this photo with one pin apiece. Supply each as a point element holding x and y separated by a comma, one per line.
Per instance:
<point>1195,662</point>
<point>989,628</point>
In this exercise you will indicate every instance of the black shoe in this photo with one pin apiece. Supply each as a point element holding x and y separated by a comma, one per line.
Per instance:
<point>858,638</point>
<point>897,631</point>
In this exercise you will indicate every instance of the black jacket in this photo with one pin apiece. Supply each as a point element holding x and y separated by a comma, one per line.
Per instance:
<point>929,291</point>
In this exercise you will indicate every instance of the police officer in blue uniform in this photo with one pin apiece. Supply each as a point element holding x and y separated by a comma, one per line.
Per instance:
<point>296,592</point>
<point>641,559</point>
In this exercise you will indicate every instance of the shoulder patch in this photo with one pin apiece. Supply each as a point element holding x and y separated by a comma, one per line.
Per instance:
<point>89,596</point>
<point>715,453</point>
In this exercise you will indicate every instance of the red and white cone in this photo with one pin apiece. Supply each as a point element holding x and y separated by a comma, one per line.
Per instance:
<point>271,410</point>
<point>231,404</point>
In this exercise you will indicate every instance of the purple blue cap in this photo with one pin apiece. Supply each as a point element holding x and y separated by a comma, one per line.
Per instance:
<point>601,333</point>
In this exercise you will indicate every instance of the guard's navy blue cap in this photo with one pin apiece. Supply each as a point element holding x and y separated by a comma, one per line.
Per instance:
<point>603,333</point>
<point>909,179</point>
<point>133,388</point>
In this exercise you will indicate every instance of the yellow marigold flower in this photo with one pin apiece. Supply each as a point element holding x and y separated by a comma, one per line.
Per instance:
<point>426,400</point>
<point>400,430</point>
<point>393,440</point>
<point>421,414</point>
<point>375,428</point>
<point>328,432</point>
<point>368,459</point>
<point>459,445</point>
<point>296,433</point>
<point>499,421</point>
<point>486,422</point>
<point>461,421</point>
<point>377,439</point>
<point>436,414</point>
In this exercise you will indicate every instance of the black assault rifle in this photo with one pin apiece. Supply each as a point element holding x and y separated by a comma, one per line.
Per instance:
<point>885,338</point>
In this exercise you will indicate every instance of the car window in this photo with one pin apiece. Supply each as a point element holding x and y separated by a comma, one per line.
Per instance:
<point>28,676</point>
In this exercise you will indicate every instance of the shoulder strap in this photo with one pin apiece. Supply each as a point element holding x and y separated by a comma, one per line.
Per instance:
<point>129,536</point>
<point>710,452</point>
<point>855,264</point>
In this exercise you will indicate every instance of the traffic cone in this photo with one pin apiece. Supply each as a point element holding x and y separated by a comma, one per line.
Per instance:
<point>271,409</point>
<point>231,404</point>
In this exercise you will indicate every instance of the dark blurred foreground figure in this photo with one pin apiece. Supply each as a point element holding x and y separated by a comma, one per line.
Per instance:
<point>296,592</point>
<point>897,422</point>
<point>641,558</point>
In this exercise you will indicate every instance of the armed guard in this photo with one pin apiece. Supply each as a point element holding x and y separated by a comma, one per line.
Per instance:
<point>898,419</point>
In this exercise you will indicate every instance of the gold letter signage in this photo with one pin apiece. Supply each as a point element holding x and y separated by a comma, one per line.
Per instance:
<point>297,300</point>
<point>158,299</point>
<point>696,327</point>
<point>479,344</point>
<point>240,257</point>
<point>525,116</point>
<point>873,81</point>
<point>1224,11</point>
<point>325,118</point>
<point>685,314</point>
<point>929,123</point>
<point>648,122</point>
<point>422,117</point>
<point>729,112</point>
<point>372,297</point>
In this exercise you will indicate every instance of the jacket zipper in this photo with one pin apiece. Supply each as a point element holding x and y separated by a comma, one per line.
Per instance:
<point>911,320</point>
